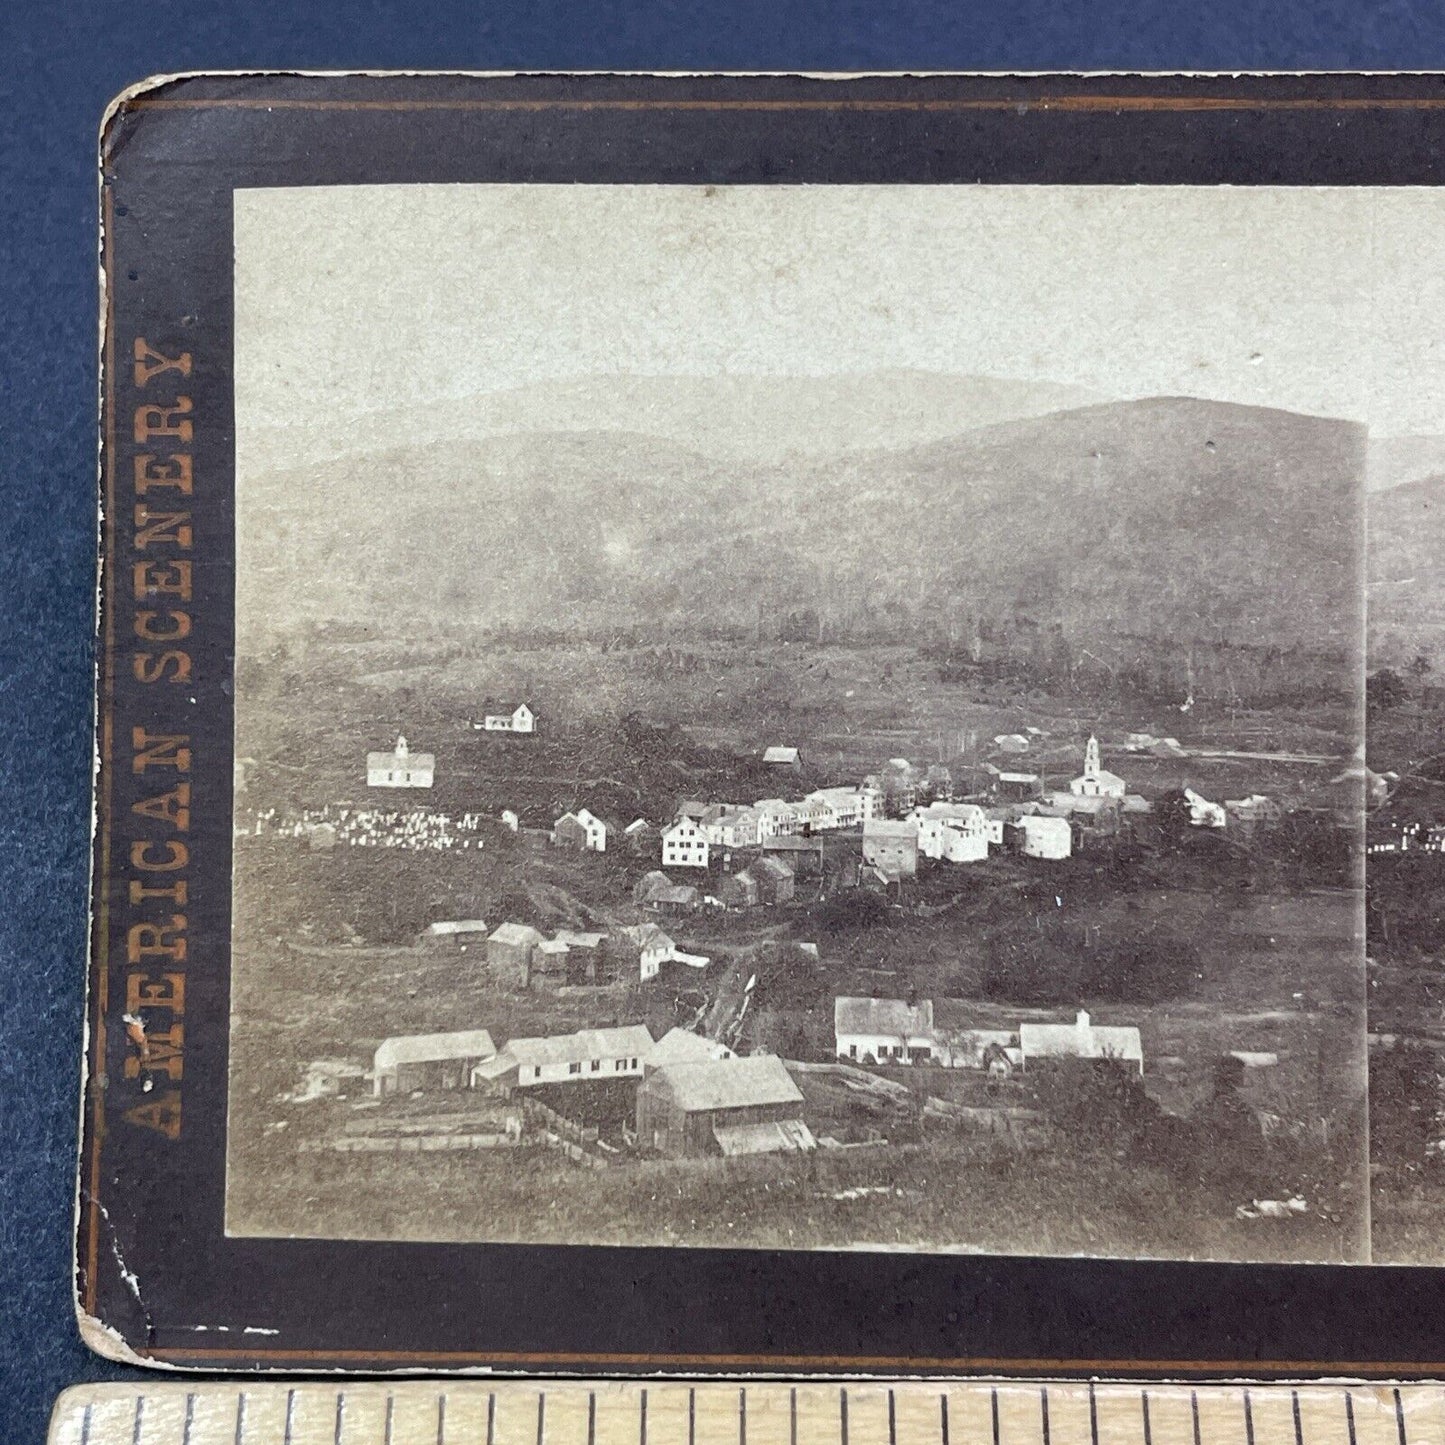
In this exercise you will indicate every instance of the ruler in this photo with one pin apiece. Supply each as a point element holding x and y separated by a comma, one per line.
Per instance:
<point>722,1412</point>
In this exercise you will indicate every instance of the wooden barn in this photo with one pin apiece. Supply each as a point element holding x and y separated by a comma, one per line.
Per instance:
<point>723,1106</point>
<point>429,1061</point>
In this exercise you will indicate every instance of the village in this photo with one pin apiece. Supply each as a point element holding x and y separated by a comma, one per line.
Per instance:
<point>779,977</point>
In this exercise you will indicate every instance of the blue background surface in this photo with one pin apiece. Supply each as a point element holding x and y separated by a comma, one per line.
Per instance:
<point>61,64</point>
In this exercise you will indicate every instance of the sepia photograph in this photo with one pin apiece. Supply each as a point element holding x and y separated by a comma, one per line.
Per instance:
<point>839,717</point>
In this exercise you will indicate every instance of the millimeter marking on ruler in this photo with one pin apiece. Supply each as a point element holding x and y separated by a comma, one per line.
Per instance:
<point>730,1412</point>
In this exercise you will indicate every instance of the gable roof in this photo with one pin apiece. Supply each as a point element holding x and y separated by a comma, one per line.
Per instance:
<point>515,933</point>
<point>891,828</point>
<point>780,755</point>
<point>393,760</point>
<point>626,1041</point>
<point>729,1083</point>
<point>682,1046</point>
<point>885,1017</point>
<point>459,925</point>
<point>434,1048</point>
<point>1080,1040</point>
<point>575,939</point>
<point>1102,776</point>
<point>645,935</point>
<point>773,868</point>
<point>778,1137</point>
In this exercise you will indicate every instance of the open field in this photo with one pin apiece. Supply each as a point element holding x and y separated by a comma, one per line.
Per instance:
<point>849,708</point>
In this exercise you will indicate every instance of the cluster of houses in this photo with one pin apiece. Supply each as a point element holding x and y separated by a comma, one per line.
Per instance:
<point>898,814</point>
<point>693,1096</point>
<point>895,1031</point>
<point>523,953</point>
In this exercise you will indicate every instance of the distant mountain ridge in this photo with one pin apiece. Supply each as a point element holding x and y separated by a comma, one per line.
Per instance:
<point>1169,518</point>
<point>737,418</point>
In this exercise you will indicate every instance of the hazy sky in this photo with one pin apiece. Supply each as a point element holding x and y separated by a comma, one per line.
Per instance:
<point>352,301</point>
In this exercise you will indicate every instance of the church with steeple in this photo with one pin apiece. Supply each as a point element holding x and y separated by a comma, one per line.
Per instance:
<point>1096,781</point>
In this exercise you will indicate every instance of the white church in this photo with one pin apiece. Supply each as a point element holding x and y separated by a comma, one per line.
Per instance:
<point>400,768</point>
<point>1096,781</point>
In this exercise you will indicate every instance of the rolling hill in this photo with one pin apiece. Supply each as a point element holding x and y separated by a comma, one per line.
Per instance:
<point>1167,518</point>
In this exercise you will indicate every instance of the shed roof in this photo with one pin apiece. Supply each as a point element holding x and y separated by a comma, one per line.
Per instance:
<point>780,755</point>
<point>885,1017</point>
<point>729,1083</point>
<point>779,1137</point>
<point>434,1048</point>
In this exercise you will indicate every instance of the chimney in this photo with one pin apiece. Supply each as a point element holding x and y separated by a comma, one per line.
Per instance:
<point>1082,1022</point>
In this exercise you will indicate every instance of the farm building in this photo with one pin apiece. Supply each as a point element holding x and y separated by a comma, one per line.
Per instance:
<point>775,880</point>
<point>675,898</point>
<point>1203,813</point>
<point>684,845</point>
<point>640,837</point>
<point>550,960</point>
<point>429,1061</point>
<point>1082,1039</point>
<point>400,768</point>
<point>509,718</point>
<point>590,1055</point>
<point>729,1106</point>
<point>1096,781</point>
<point>586,955</point>
<point>891,846</point>
<point>1015,787</point>
<point>680,1046</point>
<point>1037,836</point>
<point>649,885</point>
<point>1255,811</point>
<point>510,946</point>
<point>582,830</point>
<point>882,1030</point>
<point>642,947</point>
<point>739,890</point>
<point>455,933</point>
<point>781,757</point>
